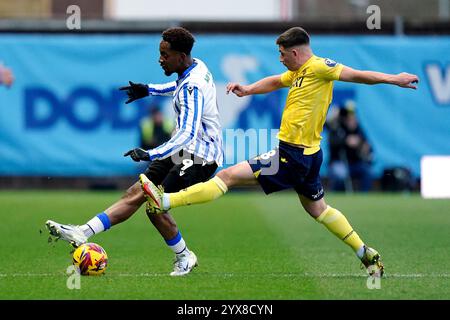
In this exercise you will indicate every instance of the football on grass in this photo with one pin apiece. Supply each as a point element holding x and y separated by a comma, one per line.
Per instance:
<point>90,259</point>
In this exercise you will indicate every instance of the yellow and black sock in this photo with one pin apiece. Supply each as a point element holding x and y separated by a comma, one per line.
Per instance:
<point>198,193</point>
<point>336,222</point>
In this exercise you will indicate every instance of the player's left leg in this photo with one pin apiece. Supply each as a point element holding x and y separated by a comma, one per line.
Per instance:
<point>311,194</point>
<point>189,171</point>
<point>338,224</point>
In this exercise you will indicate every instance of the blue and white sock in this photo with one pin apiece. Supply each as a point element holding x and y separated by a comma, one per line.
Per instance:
<point>177,244</point>
<point>96,225</point>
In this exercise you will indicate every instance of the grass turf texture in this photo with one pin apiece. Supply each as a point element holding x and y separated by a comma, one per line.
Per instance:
<point>250,246</point>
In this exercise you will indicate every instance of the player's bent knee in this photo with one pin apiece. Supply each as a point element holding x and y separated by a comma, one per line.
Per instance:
<point>226,176</point>
<point>314,208</point>
<point>134,195</point>
<point>239,174</point>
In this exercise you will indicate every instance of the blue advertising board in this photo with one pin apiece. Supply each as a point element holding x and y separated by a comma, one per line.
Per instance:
<point>65,117</point>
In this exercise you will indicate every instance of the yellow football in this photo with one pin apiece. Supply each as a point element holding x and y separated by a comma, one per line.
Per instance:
<point>90,259</point>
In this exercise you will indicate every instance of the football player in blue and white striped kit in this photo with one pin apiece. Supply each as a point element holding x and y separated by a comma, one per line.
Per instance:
<point>192,155</point>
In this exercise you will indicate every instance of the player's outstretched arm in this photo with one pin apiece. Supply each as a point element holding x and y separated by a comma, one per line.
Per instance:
<point>404,80</point>
<point>264,85</point>
<point>137,91</point>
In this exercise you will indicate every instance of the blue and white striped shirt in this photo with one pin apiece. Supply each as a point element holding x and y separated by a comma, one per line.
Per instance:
<point>198,129</point>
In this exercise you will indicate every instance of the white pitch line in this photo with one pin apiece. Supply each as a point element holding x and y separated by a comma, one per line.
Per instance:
<point>276,275</point>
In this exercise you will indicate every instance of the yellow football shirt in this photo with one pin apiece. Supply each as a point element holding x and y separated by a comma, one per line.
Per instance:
<point>310,94</point>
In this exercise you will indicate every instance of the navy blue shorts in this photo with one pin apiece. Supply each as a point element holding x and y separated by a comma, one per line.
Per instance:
<point>287,167</point>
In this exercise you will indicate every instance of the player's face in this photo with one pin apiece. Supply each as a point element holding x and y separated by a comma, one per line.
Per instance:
<point>170,60</point>
<point>287,57</point>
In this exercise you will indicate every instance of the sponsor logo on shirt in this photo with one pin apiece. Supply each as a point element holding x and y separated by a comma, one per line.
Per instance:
<point>330,63</point>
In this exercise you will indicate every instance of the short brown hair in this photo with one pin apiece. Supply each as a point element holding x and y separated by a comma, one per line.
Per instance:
<point>179,39</point>
<point>295,36</point>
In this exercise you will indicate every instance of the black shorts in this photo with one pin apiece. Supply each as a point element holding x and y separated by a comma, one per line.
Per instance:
<point>287,167</point>
<point>180,175</point>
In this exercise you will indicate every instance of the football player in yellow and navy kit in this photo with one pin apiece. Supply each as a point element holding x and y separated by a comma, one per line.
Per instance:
<point>298,157</point>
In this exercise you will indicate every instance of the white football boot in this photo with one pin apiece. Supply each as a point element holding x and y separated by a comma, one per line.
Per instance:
<point>70,233</point>
<point>184,263</point>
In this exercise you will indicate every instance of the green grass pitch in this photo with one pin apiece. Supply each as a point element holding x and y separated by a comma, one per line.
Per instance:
<point>249,246</point>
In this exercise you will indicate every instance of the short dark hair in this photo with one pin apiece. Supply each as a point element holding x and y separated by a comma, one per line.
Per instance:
<point>295,36</point>
<point>179,39</point>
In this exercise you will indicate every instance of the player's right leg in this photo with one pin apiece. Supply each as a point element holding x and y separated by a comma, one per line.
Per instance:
<point>120,211</point>
<point>237,175</point>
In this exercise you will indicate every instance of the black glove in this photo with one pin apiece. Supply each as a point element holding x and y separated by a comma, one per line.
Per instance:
<point>138,154</point>
<point>135,91</point>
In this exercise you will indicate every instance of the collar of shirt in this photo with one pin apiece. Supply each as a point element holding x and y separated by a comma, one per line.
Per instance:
<point>307,62</point>
<point>186,72</point>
